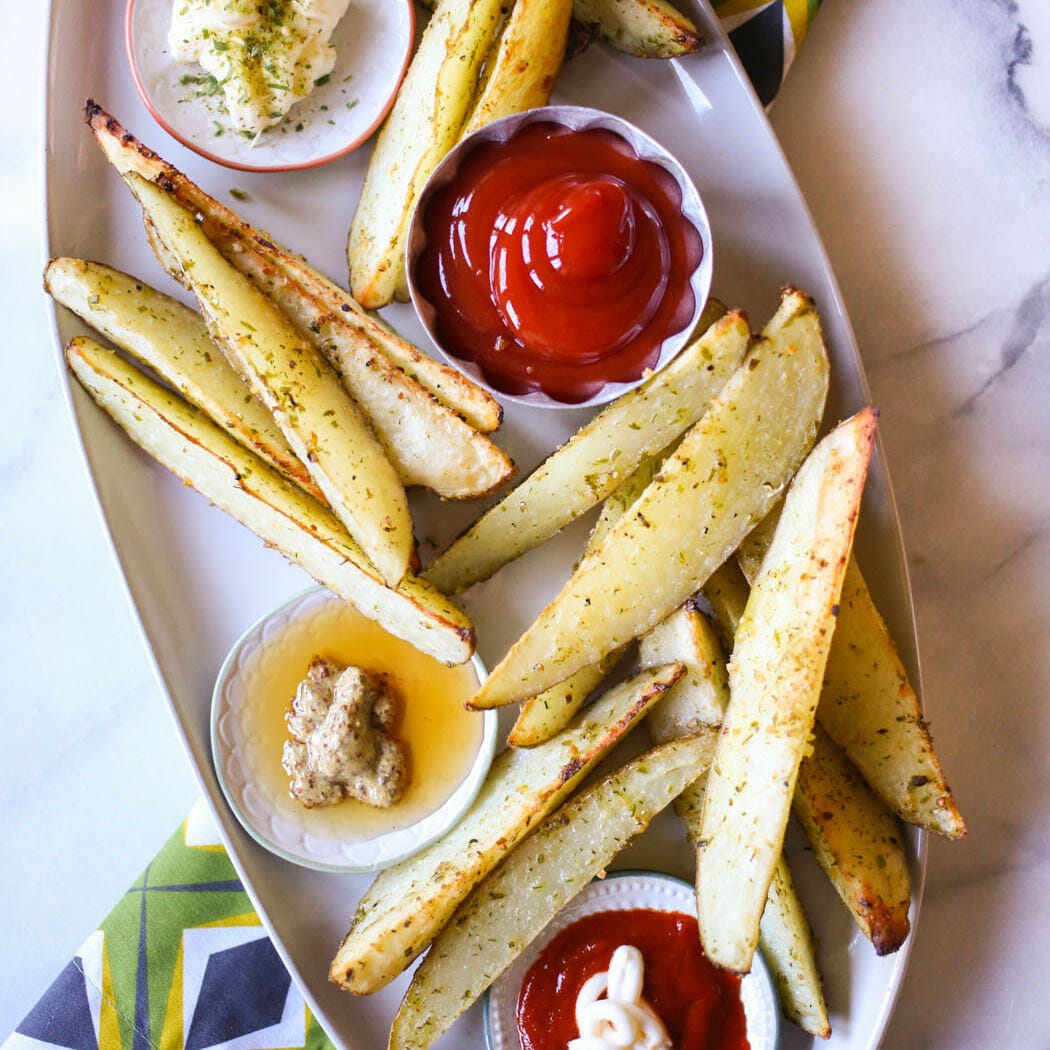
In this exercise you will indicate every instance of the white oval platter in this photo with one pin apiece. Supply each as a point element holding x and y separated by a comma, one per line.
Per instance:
<point>198,579</point>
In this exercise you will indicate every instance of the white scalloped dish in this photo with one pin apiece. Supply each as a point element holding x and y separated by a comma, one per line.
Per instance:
<point>450,749</point>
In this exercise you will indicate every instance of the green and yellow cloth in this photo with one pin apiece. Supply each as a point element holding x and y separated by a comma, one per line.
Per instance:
<point>183,962</point>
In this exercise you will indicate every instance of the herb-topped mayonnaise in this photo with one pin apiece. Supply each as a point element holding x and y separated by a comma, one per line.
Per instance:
<point>265,55</point>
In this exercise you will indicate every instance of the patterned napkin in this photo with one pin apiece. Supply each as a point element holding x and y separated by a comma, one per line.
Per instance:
<point>183,962</point>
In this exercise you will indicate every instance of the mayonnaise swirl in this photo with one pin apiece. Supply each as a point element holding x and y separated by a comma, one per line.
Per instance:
<point>622,1020</point>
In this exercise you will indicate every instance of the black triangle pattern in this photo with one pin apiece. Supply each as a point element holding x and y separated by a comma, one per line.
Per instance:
<point>759,42</point>
<point>244,990</point>
<point>62,1016</point>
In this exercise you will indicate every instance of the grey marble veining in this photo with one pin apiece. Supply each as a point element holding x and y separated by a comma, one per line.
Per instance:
<point>920,134</point>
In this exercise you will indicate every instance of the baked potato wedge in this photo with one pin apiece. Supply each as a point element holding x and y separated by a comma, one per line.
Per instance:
<point>644,28</point>
<point>868,706</point>
<point>726,474</point>
<point>543,715</point>
<point>288,375</point>
<point>698,699</point>
<point>845,822</point>
<point>513,904</point>
<point>427,443</point>
<point>205,457</point>
<point>857,841</point>
<point>786,940</point>
<point>597,458</point>
<point>521,66</point>
<point>432,105</point>
<point>775,677</point>
<point>408,904</point>
<point>171,339</point>
<point>231,235</point>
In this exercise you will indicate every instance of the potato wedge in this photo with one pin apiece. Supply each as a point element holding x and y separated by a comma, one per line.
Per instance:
<point>521,68</point>
<point>547,713</point>
<point>868,706</point>
<point>597,458</point>
<point>317,417</point>
<point>231,235</point>
<point>203,456</point>
<point>409,903</point>
<point>725,475</point>
<point>699,698</point>
<point>775,677</point>
<point>515,902</point>
<point>644,28</point>
<point>428,116</point>
<point>857,841</point>
<point>427,443</point>
<point>787,944</point>
<point>830,786</point>
<point>171,339</point>
<point>726,592</point>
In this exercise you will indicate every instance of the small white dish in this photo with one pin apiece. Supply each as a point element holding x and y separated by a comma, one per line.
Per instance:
<point>373,44</point>
<point>621,891</point>
<point>261,802</point>
<point>577,118</point>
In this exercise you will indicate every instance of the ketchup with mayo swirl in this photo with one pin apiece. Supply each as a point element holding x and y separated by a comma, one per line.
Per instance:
<point>698,1004</point>
<point>558,261</point>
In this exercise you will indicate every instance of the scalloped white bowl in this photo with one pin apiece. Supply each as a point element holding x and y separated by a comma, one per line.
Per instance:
<point>621,891</point>
<point>289,831</point>
<point>578,118</point>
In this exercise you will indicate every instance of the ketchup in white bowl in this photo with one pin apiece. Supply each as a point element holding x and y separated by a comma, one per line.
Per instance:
<point>557,260</point>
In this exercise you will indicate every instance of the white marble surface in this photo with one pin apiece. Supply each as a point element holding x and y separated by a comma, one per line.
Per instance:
<point>920,135</point>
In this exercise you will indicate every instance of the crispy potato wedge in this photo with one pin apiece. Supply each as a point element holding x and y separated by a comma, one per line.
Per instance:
<point>431,108</point>
<point>521,68</point>
<point>700,699</point>
<point>787,944</point>
<point>775,677</point>
<point>409,903</point>
<point>317,417</point>
<point>724,477</point>
<point>172,339</point>
<point>597,458</point>
<point>516,901</point>
<point>857,841</point>
<point>427,443</point>
<point>726,592</point>
<point>549,712</point>
<point>231,235</point>
<point>868,706</point>
<point>644,28</point>
<point>203,456</point>
<point>829,786</point>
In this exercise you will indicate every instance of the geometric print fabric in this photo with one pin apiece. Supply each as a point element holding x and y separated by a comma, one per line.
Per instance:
<point>181,963</point>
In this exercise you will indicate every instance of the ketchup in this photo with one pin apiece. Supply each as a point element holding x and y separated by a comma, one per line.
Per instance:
<point>558,261</point>
<point>698,1003</point>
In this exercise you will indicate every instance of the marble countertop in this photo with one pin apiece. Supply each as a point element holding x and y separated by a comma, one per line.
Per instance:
<point>920,134</point>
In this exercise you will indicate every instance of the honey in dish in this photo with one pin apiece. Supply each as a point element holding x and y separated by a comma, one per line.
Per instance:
<point>440,735</point>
